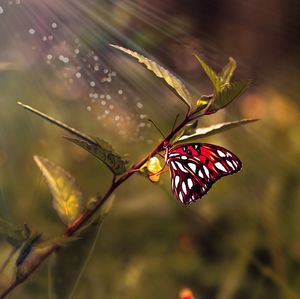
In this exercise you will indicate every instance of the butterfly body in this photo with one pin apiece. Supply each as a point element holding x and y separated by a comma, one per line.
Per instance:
<point>195,167</point>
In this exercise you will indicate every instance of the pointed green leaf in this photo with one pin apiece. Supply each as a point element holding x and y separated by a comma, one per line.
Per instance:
<point>67,198</point>
<point>99,148</point>
<point>58,123</point>
<point>215,129</point>
<point>13,235</point>
<point>214,78</point>
<point>104,152</point>
<point>176,84</point>
<point>228,94</point>
<point>227,71</point>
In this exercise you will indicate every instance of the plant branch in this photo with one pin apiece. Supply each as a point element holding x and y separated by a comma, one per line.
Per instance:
<point>87,216</point>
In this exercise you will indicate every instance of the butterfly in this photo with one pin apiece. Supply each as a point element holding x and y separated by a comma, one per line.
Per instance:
<point>195,167</point>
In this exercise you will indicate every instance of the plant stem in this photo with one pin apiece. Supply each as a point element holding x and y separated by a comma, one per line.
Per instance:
<point>115,184</point>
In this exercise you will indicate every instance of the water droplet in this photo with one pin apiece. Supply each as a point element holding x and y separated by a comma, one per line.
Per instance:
<point>108,97</point>
<point>106,111</point>
<point>31,31</point>
<point>76,51</point>
<point>78,75</point>
<point>92,84</point>
<point>139,105</point>
<point>49,56</point>
<point>103,102</point>
<point>105,71</point>
<point>120,91</point>
<point>111,107</point>
<point>44,38</point>
<point>65,59</point>
<point>89,108</point>
<point>54,25</point>
<point>117,117</point>
<point>96,58</point>
<point>1,10</point>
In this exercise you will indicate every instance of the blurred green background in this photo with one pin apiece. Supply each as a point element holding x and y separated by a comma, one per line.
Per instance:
<point>243,239</point>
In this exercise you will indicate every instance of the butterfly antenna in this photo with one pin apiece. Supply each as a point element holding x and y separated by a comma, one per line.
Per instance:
<point>158,129</point>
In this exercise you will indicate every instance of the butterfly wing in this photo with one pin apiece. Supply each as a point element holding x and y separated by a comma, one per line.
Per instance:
<point>195,167</point>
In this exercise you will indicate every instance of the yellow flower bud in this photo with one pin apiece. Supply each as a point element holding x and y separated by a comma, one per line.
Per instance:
<point>153,166</point>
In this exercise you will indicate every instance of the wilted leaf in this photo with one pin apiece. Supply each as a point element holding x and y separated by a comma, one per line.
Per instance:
<point>12,234</point>
<point>215,129</point>
<point>67,198</point>
<point>104,152</point>
<point>227,71</point>
<point>228,94</point>
<point>214,78</point>
<point>162,73</point>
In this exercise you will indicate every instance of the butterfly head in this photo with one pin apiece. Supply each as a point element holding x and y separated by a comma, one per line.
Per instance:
<point>166,144</point>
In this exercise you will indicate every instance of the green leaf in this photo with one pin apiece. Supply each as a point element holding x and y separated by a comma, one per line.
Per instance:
<point>104,152</point>
<point>227,71</point>
<point>215,129</point>
<point>214,78</point>
<point>176,84</point>
<point>97,147</point>
<point>13,235</point>
<point>58,123</point>
<point>228,94</point>
<point>67,198</point>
